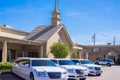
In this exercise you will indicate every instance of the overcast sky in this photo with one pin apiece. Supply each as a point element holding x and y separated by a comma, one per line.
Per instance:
<point>82,18</point>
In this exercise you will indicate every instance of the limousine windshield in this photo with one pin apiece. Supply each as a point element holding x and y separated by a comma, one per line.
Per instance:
<point>66,62</point>
<point>42,63</point>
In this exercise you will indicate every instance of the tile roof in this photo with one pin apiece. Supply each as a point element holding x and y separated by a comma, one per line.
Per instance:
<point>42,33</point>
<point>103,48</point>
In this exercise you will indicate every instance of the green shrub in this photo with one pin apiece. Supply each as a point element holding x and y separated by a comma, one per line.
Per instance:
<point>59,50</point>
<point>75,54</point>
<point>5,65</point>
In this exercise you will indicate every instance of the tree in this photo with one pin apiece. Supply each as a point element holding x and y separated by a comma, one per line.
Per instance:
<point>59,50</point>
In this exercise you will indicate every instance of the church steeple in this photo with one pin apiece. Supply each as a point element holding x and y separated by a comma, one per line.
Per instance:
<point>56,6</point>
<point>55,15</point>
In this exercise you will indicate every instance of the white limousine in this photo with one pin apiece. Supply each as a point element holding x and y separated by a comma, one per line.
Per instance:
<point>93,69</point>
<point>38,69</point>
<point>74,72</point>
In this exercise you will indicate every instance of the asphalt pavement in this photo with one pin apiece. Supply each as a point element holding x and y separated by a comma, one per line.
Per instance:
<point>109,73</point>
<point>9,76</point>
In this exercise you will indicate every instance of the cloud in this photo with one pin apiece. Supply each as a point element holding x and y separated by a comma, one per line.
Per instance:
<point>108,37</point>
<point>82,39</point>
<point>14,11</point>
<point>20,11</point>
<point>102,38</point>
<point>74,14</point>
<point>77,14</point>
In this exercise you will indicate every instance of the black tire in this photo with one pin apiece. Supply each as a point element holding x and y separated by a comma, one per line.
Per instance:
<point>108,64</point>
<point>97,63</point>
<point>11,70</point>
<point>31,76</point>
<point>83,79</point>
<point>98,75</point>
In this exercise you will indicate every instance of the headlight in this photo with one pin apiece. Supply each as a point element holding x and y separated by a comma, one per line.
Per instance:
<point>91,68</point>
<point>70,70</point>
<point>86,69</point>
<point>64,73</point>
<point>41,74</point>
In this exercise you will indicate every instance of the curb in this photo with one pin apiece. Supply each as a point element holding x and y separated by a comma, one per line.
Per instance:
<point>5,72</point>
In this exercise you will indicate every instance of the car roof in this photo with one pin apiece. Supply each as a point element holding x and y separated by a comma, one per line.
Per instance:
<point>105,59</point>
<point>79,59</point>
<point>33,58</point>
<point>61,59</point>
<point>83,59</point>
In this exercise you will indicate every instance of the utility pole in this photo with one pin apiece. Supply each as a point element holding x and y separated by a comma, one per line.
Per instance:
<point>114,40</point>
<point>94,40</point>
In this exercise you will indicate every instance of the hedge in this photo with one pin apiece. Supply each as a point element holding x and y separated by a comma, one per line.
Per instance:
<point>5,65</point>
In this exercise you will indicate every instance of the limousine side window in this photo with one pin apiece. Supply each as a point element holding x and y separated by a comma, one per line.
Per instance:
<point>23,62</point>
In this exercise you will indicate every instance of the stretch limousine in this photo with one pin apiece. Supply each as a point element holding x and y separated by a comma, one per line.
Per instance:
<point>38,69</point>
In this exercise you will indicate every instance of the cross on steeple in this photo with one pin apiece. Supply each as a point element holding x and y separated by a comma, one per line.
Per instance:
<point>55,15</point>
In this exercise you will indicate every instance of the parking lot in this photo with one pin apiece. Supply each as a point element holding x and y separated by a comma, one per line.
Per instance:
<point>9,77</point>
<point>110,73</point>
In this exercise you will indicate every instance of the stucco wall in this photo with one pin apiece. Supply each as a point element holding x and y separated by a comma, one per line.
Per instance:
<point>93,56</point>
<point>57,37</point>
<point>53,39</point>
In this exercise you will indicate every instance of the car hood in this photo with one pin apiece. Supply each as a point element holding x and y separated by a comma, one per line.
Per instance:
<point>91,65</point>
<point>50,69</point>
<point>72,67</point>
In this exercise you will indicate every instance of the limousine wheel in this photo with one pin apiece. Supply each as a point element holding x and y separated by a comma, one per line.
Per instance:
<point>83,79</point>
<point>108,64</point>
<point>97,63</point>
<point>98,75</point>
<point>31,76</point>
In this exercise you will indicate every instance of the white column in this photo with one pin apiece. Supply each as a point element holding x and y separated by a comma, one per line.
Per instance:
<point>86,55</point>
<point>4,52</point>
<point>79,53</point>
<point>42,51</point>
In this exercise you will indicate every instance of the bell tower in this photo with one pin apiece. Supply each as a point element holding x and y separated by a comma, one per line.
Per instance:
<point>55,16</point>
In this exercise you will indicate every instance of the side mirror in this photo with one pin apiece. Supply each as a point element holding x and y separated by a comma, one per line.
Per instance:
<point>78,64</point>
<point>56,64</point>
<point>16,65</point>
